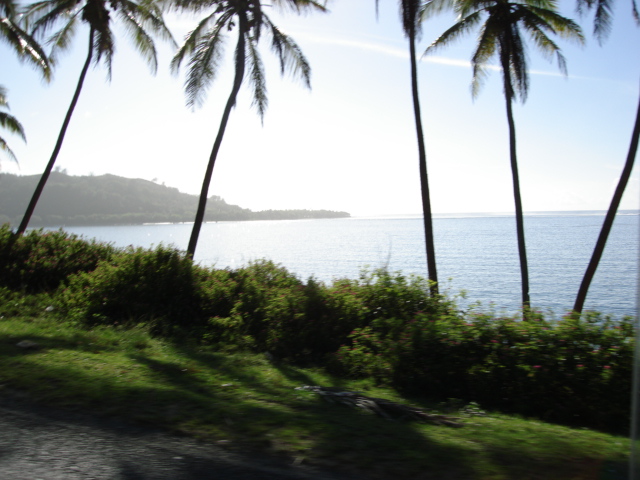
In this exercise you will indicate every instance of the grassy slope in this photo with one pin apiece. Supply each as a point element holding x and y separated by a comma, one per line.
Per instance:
<point>245,402</point>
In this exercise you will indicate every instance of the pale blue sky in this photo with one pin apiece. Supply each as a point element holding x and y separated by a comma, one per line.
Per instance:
<point>349,144</point>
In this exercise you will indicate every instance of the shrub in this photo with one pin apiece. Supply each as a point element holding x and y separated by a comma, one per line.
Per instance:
<point>289,318</point>
<point>161,287</point>
<point>267,297</point>
<point>40,260</point>
<point>576,370</point>
<point>388,294</point>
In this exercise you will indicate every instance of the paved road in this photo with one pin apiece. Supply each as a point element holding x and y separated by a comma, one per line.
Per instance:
<point>39,443</point>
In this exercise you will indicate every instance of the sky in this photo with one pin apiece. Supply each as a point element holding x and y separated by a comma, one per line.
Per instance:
<point>349,143</point>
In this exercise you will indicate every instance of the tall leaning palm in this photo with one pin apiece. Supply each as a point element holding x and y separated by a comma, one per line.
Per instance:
<point>602,26</point>
<point>501,35</point>
<point>204,45</point>
<point>141,19</point>
<point>27,50</point>
<point>410,13</point>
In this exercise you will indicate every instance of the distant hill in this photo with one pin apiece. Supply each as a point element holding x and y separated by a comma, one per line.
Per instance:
<point>113,200</point>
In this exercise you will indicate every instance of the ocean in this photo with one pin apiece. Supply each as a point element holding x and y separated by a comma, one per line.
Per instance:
<point>476,254</point>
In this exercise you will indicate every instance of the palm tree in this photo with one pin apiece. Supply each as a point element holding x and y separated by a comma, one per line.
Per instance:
<point>204,45</point>
<point>501,35</point>
<point>602,27</point>
<point>139,17</point>
<point>28,50</point>
<point>410,13</point>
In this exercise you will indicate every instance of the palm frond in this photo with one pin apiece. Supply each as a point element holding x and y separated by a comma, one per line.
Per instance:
<point>549,5</point>
<point>513,48</point>
<point>33,12</point>
<point>552,22</point>
<point>62,39</point>
<point>603,20</point>
<point>289,54</point>
<point>41,16</point>
<point>103,46</point>
<point>465,8</point>
<point>193,38</point>
<point>25,45</point>
<point>485,50</point>
<point>603,17</point>
<point>301,6</point>
<point>12,124</point>
<point>204,65</point>
<point>142,41</point>
<point>149,17</point>
<point>194,6</point>
<point>5,148</point>
<point>634,10</point>
<point>545,45</point>
<point>431,8</point>
<point>257,78</point>
<point>8,8</point>
<point>455,32</point>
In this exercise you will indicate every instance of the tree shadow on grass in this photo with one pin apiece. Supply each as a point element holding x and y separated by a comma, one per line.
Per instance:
<point>79,341</point>
<point>220,397</point>
<point>188,396</point>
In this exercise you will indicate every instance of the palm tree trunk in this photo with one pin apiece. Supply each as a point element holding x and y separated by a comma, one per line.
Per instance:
<point>609,217</point>
<point>56,150</point>
<point>522,251</point>
<point>239,75</point>
<point>424,179</point>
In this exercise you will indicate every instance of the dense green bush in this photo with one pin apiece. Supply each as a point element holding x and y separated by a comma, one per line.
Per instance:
<point>161,287</point>
<point>306,321</point>
<point>275,311</point>
<point>41,260</point>
<point>393,295</point>
<point>262,297</point>
<point>575,370</point>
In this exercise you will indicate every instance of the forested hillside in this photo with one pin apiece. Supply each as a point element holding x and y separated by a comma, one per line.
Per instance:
<point>113,200</point>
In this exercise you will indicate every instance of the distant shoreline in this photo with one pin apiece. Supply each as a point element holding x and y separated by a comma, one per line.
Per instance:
<point>550,213</point>
<point>109,200</point>
<point>402,216</point>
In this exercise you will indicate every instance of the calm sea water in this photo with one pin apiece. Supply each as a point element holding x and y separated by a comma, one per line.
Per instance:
<point>477,254</point>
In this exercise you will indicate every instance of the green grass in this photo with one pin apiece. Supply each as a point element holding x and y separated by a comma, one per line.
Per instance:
<point>247,403</point>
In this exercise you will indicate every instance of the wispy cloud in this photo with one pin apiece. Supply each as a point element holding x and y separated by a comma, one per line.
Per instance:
<point>403,53</point>
<point>359,44</point>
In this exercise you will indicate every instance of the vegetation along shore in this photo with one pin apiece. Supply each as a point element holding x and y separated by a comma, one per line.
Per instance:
<point>218,354</point>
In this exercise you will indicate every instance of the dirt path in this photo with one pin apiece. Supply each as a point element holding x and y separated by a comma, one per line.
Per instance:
<point>40,443</point>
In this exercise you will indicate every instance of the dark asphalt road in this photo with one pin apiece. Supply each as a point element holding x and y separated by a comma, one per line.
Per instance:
<point>39,443</point>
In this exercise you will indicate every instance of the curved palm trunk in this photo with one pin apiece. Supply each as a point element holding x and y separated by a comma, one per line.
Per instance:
<point>202,202</point>
<point>522,251</point>
<point>56,150</point>
<point>424,179</point>
<point>609,218</point>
